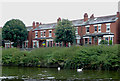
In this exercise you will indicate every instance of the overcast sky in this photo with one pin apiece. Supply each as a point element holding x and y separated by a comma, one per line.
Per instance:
<point>48,12</point>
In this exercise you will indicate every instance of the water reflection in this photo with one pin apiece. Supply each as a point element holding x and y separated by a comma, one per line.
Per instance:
<point>52,74</point>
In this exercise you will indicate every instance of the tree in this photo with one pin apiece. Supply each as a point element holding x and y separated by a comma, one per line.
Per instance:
<point>15,31</point>
<point>65,32</point>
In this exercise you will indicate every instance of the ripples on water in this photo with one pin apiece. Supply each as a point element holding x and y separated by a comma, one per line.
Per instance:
<point>52,74</point>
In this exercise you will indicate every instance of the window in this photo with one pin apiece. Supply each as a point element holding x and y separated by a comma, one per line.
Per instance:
<point>95,40</point>
<point>38,44</point>
<point>111,38</point>
<point>86,40</point>
<point>57,44</point>
<point>99,40</point>
<point>47,43</point>
<point>90,40</point>
<point>76,31</point>
<point>50,43</point>
<point>60,44</point>
<point>78,41</point>
<point>87,29</point>
<point>44,33</point>
<point>34,45</point>
<point>99,28</point>
<point>106,38</point>
<point>26,45</point>
<point>41,33</point>
<point>107,27</point>
<point>36,34</point>
<point>50,33</point>
<point>95,29</point>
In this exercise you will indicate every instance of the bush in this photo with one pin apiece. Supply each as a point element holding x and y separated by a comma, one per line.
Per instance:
<point>87,57</point>
<point>103,42</point>
<point>110,42</point>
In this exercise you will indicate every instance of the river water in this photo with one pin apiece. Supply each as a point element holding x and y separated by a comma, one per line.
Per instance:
<point>52,74</point>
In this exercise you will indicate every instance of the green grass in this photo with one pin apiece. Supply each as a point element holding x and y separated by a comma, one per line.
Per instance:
<point>87,57</point>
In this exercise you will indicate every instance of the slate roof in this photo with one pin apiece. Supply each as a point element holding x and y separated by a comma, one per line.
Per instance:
<point>29,28</point>
<point>80,22</point>
<point>98,34</point>
<point>46,26</point>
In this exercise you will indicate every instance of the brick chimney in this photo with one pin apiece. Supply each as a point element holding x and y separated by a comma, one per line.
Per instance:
<point>40,23</point>
<point>59,19</point>
<point>92,16</point>
<point>33,24</point>
<point>118,14</point>
<point>37,24</point>
<point>85,17</point>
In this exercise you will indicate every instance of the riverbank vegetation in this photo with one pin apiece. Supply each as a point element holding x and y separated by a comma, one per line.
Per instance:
<point>87,57</point>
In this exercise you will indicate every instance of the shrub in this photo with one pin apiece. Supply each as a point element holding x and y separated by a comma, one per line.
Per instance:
<point>110,42</point>
<point>103,42</point>
<point>88,57</point>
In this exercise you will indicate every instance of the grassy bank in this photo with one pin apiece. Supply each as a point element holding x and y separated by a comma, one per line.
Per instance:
<point>88,57</point>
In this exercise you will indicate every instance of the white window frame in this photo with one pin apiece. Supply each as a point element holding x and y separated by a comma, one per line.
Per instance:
<point>99,27</point>
<point>42,33</point>
<point>94,28</point>
<point>36,34</point>
<point>50,34</point>
<point>108,26</point>
<point>57,44</point>
<point>90,41</point>
<point>78,41</point>
<point>34,43</point>
<point>26,45</point>
<point>99,40</point>
<point>88,26</point>
<point>76,30</point>
<point>37,44</point>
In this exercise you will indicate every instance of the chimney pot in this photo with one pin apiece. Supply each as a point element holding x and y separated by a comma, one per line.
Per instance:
<point>40,23</point>
<point>85,17</point>
<point>59,19</point>
<point>33,24</point>
<point>37,24</point>
<point>92,16</point>
<point>118,14</point>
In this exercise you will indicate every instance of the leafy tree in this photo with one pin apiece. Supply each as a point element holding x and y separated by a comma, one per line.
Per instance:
<point>15,31</point>
<point>65,32</point>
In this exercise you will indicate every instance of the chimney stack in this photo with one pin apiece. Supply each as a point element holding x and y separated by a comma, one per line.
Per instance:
<point>118,14</point>
<point>33,24</point>
<point>37,24</point>
<point>92,16</point>
<point>40,23</point>
<point>85,17</point>
<point>59,19</point>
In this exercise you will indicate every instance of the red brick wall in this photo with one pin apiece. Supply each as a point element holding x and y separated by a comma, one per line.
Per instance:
<point>103,28</point>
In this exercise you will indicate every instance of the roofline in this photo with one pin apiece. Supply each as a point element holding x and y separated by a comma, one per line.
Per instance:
<point>95,17</point>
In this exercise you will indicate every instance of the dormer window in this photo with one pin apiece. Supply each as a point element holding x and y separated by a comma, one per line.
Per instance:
<point>108,27</point>
<point>36,34</point>
<point>87,29</point>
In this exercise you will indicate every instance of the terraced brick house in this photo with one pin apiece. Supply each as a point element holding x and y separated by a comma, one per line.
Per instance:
<point>88,31</point>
